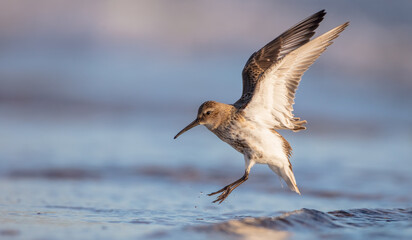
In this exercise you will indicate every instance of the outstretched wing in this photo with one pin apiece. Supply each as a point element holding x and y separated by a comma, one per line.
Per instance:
<point>274,51</point>
<point>273,98</point>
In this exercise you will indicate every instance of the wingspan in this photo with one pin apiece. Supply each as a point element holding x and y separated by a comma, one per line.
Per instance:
<point>272,102</point>
<point>275,50</point>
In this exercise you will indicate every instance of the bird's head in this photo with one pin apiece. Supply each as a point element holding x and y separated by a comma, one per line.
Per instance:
<point>211,114</point>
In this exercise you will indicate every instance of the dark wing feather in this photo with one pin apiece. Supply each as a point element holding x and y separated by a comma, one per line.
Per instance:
<point>274,51</point>
<point>272,102</point>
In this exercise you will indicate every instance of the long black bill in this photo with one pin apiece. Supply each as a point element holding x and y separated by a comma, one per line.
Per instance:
<point>191,125</point>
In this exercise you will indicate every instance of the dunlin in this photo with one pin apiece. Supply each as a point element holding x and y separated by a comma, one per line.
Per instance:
<point>270,79</point>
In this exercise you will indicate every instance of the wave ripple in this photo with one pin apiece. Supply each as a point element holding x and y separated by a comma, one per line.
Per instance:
<point>322,224</point>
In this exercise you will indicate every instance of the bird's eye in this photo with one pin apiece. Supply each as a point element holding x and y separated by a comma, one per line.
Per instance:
<point>208,112</point>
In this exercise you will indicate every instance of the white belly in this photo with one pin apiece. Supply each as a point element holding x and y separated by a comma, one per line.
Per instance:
<point>257,143</point>
<point>266,147</point>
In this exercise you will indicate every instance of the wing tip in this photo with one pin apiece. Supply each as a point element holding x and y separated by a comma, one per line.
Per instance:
<point>332,34</point>
<point>341,27</point>
<point>345,25</point>
<point>321,13</point>
<point>314,19</point>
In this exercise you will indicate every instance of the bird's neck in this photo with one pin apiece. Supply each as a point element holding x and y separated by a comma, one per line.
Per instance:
<point>225,116</point>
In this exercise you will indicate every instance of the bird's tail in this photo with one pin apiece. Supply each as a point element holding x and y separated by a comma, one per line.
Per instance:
<point>287,175</point>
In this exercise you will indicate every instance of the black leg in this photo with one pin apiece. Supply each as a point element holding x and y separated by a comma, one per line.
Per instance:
<point>229,188</point>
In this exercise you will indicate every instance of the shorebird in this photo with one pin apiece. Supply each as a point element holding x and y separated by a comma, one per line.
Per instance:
<point>270,79</point>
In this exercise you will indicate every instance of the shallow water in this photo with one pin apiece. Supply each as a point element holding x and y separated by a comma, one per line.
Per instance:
<point>162,203</point>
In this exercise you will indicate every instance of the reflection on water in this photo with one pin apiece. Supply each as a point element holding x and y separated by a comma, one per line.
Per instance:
<point>144,204</point>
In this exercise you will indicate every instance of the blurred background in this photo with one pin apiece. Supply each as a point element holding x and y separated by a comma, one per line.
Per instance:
<point>90,89</point>
<point>108,70</point>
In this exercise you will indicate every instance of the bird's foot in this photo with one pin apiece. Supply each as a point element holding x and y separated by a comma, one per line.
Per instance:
<point>225,193</point>
<point>228,189</point>
<point>221,190</point>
